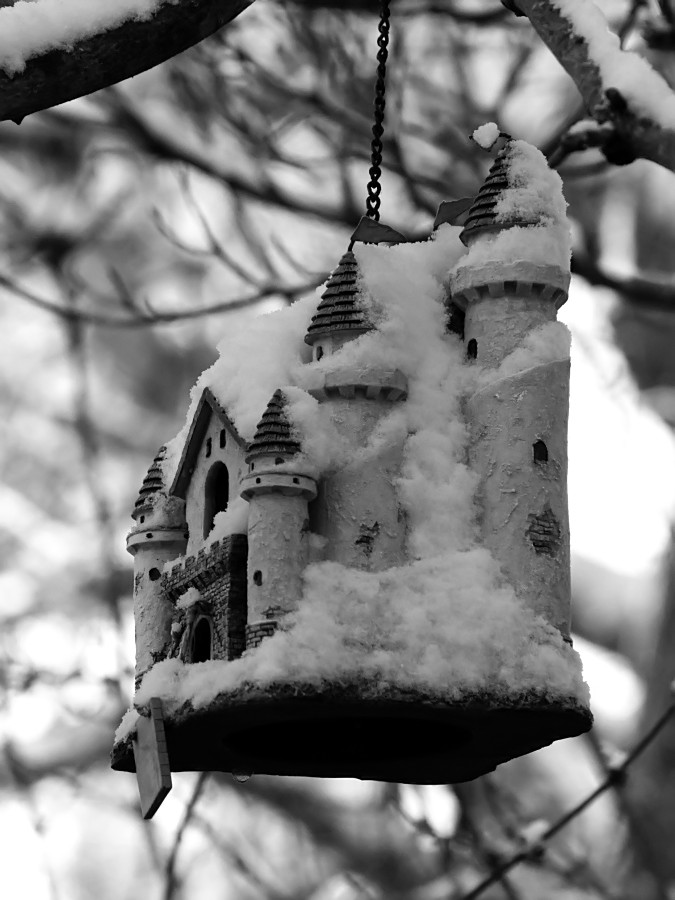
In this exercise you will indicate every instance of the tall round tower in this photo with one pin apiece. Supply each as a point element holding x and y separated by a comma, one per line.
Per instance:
<point>278,522</point>
<point>511,282</point>
<point>357,509</point>
<point>159,535</point>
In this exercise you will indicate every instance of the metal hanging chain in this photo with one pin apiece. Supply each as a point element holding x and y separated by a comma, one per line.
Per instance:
<point>375,171</point>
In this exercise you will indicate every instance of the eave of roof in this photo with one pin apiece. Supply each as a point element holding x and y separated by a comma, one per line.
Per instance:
<point>208,405</point>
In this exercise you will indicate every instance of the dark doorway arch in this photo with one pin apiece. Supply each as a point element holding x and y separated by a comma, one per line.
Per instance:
<point>201,641</point>
<point>216,494</point>
<point>472,349</point>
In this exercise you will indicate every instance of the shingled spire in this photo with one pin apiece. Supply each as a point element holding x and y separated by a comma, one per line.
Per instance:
<point>274,434</point>
<point>340,308</point>
<point>153,483</point>
<point>483,216</point>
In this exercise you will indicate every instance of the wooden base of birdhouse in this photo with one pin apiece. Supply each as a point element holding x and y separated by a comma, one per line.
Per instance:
<point>338,732</point>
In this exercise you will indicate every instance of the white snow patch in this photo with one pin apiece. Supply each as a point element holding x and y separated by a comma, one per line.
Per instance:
<point>128,725</point>
<point>486,135</point>
<point>443,624</point>
<point>535,190</point>
<point>535,195</point>
<point>537,244</point>
<point>32,27</point>
<point>547,343</point>
<point>188,599</point>
<point>233,520</point>
<point>252,364</point>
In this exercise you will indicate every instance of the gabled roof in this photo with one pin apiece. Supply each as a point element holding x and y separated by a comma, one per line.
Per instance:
<point>341,308</point>
<point>153,483</point>
<point>274,434</point>
<point>208,406</point>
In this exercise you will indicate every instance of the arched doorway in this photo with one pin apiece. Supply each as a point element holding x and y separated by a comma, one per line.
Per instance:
<point>201,641</point>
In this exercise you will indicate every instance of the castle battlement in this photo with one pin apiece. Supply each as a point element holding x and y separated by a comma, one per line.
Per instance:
<point>495,280</point>
<point>224,557</point>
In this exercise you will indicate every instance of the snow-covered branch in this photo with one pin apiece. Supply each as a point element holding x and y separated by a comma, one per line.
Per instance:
<point>618,87</point>
<point>55,50</point>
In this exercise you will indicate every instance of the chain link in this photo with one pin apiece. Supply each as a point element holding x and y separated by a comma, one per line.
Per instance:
<point>375,171</point>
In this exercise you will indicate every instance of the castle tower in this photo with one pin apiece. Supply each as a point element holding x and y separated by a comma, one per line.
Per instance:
<point>158,536</point>
<point>518,422</point>
<point>278,523</point>
<point>357,509</point>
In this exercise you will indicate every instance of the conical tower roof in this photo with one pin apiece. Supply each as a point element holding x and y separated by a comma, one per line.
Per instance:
<point>274,434</point>
<point>153,483</point>
<point>483,215</point>
<point>340,308</point>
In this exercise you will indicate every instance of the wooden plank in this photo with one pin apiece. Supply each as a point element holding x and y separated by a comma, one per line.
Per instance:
<point>153,771</point>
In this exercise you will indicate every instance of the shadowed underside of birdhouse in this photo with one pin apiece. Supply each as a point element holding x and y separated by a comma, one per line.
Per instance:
<point>342,731</point>
<point>369,576</point>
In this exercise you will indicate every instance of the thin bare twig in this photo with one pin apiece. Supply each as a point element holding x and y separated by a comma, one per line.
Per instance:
<point>616,775</point>
<point>171,881</point>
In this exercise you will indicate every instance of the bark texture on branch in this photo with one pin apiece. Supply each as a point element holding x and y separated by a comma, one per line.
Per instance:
<point>636,135</point>
<point>104,59</point>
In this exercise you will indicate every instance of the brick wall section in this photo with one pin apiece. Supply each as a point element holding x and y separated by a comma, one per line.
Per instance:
<point>544,532</point>
<point>255,634</point>
<point>219,574</point>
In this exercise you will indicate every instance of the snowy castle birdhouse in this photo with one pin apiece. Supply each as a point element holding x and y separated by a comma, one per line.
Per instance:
<point>353,560</point>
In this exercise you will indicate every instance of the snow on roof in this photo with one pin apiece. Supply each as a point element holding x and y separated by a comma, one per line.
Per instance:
<point>274,434</point>
<point>340,308</point>
<point>486,135</point>
<point>519,190</point>
<point>519,212</point>
<point>207,406</point>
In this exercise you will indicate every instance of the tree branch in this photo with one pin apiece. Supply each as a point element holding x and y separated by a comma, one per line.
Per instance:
<point>636,131</point>
<point>64,72</point>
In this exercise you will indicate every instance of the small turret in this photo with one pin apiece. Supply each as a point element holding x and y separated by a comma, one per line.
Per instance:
<point>158,536</point>
<point>278,522</point>
<point>341,314</point>
<point>516,273</point>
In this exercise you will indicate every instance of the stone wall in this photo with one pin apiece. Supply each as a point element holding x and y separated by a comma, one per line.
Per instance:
<point>218,572</point>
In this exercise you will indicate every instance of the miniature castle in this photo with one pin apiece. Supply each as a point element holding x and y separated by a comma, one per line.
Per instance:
<point>199,596</point>
<point>247,583</point>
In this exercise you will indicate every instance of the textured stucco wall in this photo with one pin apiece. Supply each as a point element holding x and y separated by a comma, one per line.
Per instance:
<point>153,611</point>
<point>524,515</point>
<point>358,510</point>
<point>233,457</point>
<point>499,327</point>
<point>278,551</point>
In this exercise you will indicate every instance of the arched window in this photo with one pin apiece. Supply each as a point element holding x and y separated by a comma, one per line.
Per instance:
<point>216,494</point>
<point>201,641</point>
<point>472,349</point>
<point>540,452</point>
